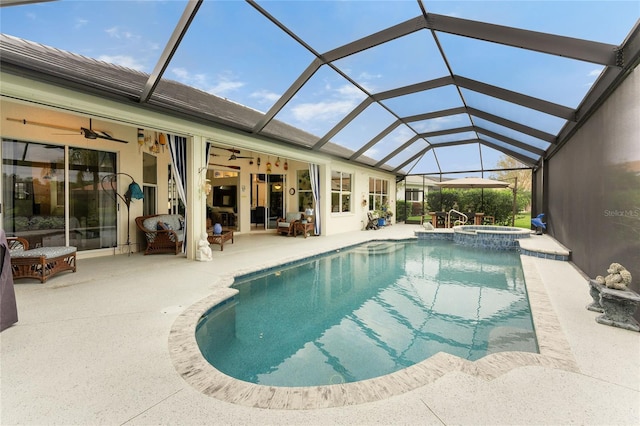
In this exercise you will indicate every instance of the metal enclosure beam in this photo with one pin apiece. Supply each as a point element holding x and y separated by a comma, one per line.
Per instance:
<point>539,134</point>
<point>574,48</point>
<point>180,30</point>
<point>516,98</point>
<point>407,27</point>
<point>290,93</point>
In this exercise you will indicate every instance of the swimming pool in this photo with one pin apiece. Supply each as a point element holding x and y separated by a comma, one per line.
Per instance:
<point>312,324</point>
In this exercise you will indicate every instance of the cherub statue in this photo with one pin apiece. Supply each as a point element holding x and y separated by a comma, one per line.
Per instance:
<point>204,253</point>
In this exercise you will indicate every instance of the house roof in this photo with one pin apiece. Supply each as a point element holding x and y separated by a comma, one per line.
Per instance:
<point>441,112</point>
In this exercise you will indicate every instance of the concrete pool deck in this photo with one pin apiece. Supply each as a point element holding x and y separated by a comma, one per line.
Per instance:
<point>93,348</point>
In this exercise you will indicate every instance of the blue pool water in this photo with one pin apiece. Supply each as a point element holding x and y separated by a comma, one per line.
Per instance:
<point>368,311</point>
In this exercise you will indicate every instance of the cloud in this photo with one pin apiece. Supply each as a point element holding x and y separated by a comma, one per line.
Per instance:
<point>368,76</point>
<point>80,22</point>
<point>115,32</point>
<point>322,110</point>
<point>224,84</point>
<point>123,60</point>
<point>439,123</point>
<point>265,96</point>
<point>340,102</point>
<point>593,75</point>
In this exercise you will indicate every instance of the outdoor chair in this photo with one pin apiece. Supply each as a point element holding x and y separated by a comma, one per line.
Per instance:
<point>372,221</point>
<point>287,225</point>
<point>164,233</point>
<point>40,263</point>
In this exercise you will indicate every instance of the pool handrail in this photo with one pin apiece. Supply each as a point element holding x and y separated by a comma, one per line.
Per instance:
<point>466,218</point>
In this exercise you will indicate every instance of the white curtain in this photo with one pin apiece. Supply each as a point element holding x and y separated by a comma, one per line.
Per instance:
<point>178,149</point>
<point>314,175</point>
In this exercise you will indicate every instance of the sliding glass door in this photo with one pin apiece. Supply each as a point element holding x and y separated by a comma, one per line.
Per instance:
<point>267,199</point>
<point>53,196</point>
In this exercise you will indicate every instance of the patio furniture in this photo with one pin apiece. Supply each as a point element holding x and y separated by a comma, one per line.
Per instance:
<point>372,221</point>
<point>488,220</point>
<point>40,263</point>
<point>286,225</point>
<point>219,239</point>
<point>164,232</point>
<point>304,226</point>
<point>438,219</point>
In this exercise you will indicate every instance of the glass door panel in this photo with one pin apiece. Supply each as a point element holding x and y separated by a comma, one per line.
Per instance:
<point>92,204</point>
<point>275,195</point>
<point>33,192</point>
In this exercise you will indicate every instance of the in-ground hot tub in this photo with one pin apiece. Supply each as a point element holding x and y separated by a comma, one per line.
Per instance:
<point>489,237</point>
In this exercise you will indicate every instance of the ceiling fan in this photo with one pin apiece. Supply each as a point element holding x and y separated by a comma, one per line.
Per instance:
<point>98,134</point>
<point>89,133</point>
<point>233,153</point>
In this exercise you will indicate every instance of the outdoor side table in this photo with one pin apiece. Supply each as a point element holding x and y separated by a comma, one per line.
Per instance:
<point>220,239</point>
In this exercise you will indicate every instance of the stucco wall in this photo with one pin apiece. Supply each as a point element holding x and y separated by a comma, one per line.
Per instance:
<point>55,101</point>
<point>593,188</point>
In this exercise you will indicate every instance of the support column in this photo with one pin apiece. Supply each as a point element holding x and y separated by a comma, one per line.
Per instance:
<point>196,199</point>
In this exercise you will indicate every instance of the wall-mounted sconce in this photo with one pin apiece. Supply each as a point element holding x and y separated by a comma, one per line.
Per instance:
<point>268,165</point>
<point>278,162</point>
<point>286,165</point>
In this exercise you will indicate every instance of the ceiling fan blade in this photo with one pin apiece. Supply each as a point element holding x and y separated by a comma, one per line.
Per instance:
<point>92,134</point>
<point>225,165</point>
<point>111,138</point>
<point>240,156</point>
<point>235,151</point>
<point>37,123</point>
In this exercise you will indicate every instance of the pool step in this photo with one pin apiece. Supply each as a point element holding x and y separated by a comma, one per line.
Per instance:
<point>378,247</point>
<point>545,247</point>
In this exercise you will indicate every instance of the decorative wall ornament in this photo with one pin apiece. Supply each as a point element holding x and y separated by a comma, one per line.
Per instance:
<point>140,139</point>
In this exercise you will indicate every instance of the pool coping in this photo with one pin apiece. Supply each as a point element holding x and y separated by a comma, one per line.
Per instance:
<point>188,361</point>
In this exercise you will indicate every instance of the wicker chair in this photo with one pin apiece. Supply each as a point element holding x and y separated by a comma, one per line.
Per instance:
<point>40,263</point>
<point>164,233</point>
<point>287,225</point>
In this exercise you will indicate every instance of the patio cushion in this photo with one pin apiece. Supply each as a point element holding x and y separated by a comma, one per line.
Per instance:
<point>293,216</point>
<point>47,252</point>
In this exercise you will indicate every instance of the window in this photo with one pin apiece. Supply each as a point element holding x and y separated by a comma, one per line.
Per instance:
<point>378,193</point>
<point>413,195</point>
<point>150,184</point>
<point>305,194</point>
<point>35,193</point>
<point>340,192</point>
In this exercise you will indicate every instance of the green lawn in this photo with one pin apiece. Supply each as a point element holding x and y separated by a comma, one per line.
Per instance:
<point>523,220</point>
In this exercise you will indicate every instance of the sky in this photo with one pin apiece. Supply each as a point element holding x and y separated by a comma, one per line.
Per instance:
<point>233,51</point>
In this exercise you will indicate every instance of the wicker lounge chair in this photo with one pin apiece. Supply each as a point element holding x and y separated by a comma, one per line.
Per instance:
<point>164,233</point>
<point>40,263</point>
